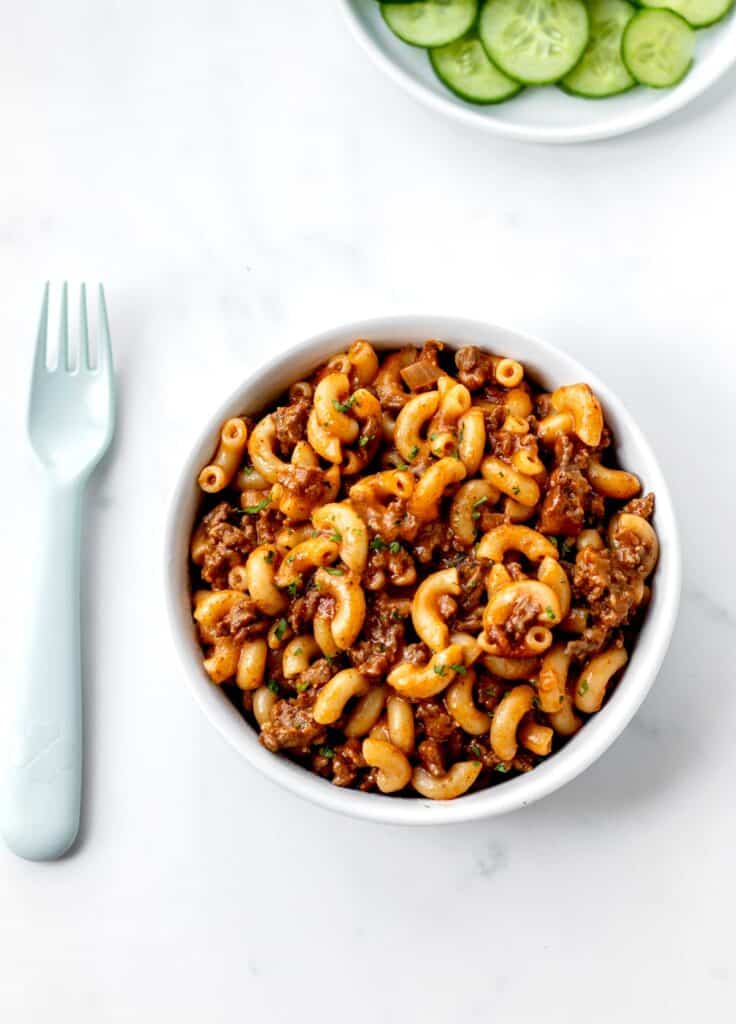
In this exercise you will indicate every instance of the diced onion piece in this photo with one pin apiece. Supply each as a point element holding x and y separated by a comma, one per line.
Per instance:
<point>420,374</point>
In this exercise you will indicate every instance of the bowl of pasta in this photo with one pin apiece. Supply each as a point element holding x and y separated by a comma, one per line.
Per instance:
<point>421,570</point>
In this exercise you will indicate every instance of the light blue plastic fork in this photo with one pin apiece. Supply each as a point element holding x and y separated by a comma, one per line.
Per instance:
<point>70,424</point>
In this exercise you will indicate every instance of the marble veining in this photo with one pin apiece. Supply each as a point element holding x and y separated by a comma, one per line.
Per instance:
<point>240,175</point>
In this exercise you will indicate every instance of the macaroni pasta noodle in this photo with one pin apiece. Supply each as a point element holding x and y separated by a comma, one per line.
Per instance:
<point>418,573</point>
<point>228,456</point>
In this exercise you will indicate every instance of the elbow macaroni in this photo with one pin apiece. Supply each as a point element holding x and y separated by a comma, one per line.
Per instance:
<point>430,489</point>
<point>400,587</point>
<point>349,606</point>
<point>457,781</point>
<point>425,612</point>
<point>394,770</point>
<point>224,466</point>
<point>333,696</point>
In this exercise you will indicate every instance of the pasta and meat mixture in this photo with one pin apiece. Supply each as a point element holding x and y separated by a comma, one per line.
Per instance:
<point>419,573</point>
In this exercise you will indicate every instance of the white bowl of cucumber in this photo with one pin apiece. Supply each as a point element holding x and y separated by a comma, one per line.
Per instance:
<point>550,70</point>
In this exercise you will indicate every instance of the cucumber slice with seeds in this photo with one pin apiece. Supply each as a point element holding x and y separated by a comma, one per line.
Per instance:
<point>601,70</point>
<point>430,22</point>
<point>465,69</point>
<point>697,13</point>
<point>534,41</point>
<point>658,47</point>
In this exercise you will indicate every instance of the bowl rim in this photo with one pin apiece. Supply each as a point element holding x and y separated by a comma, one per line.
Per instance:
<point>668,103</point>
<point>582,750</point>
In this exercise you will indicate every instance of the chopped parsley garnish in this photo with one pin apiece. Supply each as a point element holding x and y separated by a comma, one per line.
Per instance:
<point>394,547</point>
<point>501,768</point>
<point>377,544</point>
<point>364,441</point>
<point>248,469</point>
<point>298,651</point>
<point>433,436</point>
<point>343,406</point>
<point>535,702</point>
<point>269,556</point>
<point>301,687</point>
<point>460,669</point>
<point>476,750</point>
<point>413,453</point>
<point>281,628</point>
<point>476,507</point>
<point>326,751</point>
<point>501,473</point>
<point>439,669</point>
<point>336,536</point>
<point>516,489</point>
<point>567,549</point>
<point>293,586</point>
<point>550,612</point>
<point>273,686</point>
<point>335,570</point>
<point>477,764</point>
<point>253,510</point>
<point>401,465</point>
<point>583,688</point>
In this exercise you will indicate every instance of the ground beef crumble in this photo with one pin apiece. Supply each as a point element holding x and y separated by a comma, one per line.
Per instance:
<point>474,368</point>
<point>608,583</point>
<point>230,537</point>
<point>643,507</point>
<point>383,636</point>
<point>304,608</point>
<point>243,622</point>
<point>292,726</point>
<point>291,423</point>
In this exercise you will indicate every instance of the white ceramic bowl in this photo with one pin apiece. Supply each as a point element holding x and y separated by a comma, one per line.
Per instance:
<point>543,115</point>
<point>550,367</point>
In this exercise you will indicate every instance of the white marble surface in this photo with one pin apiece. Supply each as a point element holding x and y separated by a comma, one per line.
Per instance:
<point>239,175</point>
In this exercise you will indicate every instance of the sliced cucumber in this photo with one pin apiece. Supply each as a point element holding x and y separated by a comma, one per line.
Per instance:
<point>534,41</point>
<point>658,47</point>
<point>601,71</point>
<point>464,67</point>
<point>697,13</point>
<point>430,22</point>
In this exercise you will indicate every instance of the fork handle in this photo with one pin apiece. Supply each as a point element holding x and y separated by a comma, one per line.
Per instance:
<point>40,787</point>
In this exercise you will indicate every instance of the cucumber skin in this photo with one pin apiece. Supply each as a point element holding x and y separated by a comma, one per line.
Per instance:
<point>580,95</point>
<point>685,73</point>
<point>548,81</point>
<point>701,24</point>
<point>714,21</point>
<point>472,99</point>
<point>421,46</point>
<point>669,85</point>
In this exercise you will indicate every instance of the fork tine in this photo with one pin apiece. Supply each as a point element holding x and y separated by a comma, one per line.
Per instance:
<point>104,345</point>
<point>85,356</point>
<point>39,358</point>
<point>63,357</point>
